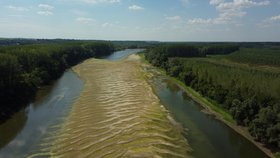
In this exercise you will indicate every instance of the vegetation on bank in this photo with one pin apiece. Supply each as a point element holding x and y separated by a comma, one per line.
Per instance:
<point>262,56</point>
<point>250,95</point>
<point>209,103</point>
<point>24,69</point>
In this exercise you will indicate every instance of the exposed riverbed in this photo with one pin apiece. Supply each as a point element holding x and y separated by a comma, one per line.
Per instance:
<point>117,115</point>
<point>45,127</point>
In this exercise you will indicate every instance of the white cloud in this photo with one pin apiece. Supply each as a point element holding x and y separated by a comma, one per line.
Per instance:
<point>228,11</point>
<point>107,24</point>
<point>223,18</point>
<point>45,13</point>
<point>240,4</point>
<point>173,18</point>
<point>135,7</point>
<point>270,21</point>
<point>274,18</point>
<point>17,8</point>
<point>184,2</point>
<point>101,1</point>
<point>80,13</point>
<point>200,21</point>
<point>46,9</point>
<point>85,20</point>
<point>215,2</point>
<point>46,6</point>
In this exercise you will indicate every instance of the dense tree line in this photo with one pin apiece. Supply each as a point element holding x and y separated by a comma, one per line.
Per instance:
<point>24,69</point>
<point>158,56</point>
<point>22,41</point>
<point>258,44</point>
<point>220,49</point>
<point>250,95</point>
<point>254,56</point>
<point>121,45</point>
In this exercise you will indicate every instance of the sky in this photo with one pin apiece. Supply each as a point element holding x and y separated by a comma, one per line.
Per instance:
<point>149,20</point>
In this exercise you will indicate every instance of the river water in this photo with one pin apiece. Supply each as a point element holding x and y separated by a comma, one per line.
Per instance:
<point>21,134</point>
<point>207,136</point>
<point>25,131</point>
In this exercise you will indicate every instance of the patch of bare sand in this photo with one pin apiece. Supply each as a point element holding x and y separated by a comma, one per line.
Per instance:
<point>117,115</point>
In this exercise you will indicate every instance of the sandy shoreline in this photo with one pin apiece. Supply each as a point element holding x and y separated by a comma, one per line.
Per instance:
<point>117,115</point>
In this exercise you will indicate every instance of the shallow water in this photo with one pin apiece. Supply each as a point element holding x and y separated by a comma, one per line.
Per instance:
<point>207,136</point>
<point>27,131</point>
<point>21,134</point>
<point>122,54</point>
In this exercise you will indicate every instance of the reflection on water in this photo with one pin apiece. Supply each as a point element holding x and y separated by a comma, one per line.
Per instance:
<point>122,54</point>
<point>41,96</point>
<point>10,128</point>
<point>207,136</point>
<point>23,132</point>
<point>172,87</point>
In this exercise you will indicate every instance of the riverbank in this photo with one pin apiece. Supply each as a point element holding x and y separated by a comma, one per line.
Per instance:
<point>21,77</point>
<point>214,110</point>
<point>117,114</point>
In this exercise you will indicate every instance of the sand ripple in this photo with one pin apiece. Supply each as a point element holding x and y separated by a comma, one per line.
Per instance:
<point>117,115</point>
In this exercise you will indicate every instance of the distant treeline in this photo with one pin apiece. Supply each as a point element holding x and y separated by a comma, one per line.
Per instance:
<point>119,45</point>
<point>250,95</point>
<point>137,44</point>
<point>240,44</point>
<point>23,69</point>
<point>158,56</point>
<point>262,56</point>
<point>22,41</point>
<point>219,49</point>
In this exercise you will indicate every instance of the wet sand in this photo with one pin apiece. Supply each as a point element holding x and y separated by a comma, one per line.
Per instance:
<point>117,115</point>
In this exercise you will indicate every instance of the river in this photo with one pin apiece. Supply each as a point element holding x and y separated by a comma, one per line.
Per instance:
<point>26,130</point>
<point>207,136</point>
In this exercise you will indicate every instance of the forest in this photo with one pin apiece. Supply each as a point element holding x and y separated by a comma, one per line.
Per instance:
<point>257,56</point>
<point>244,82</point>
<point>25,68</point>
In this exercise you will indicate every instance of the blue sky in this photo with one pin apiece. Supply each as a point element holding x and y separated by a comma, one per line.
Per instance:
<point>161,20</point>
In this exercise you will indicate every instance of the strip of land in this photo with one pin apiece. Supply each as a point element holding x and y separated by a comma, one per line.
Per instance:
<point>210,108</point>
<point>117,115</point>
